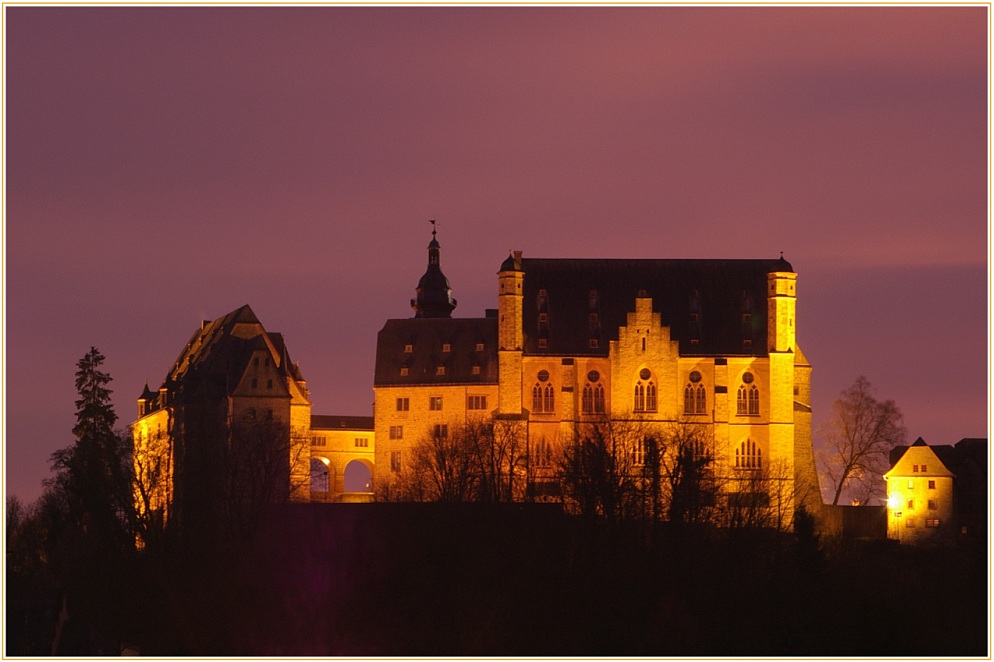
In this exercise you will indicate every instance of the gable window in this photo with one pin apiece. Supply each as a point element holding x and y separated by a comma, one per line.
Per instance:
<point>748,455</point>
<point>255,383</point>
<point>914,468</point>
<point>435,403</point>
<point>403,404</point>
<point>269,384</point>
<point>924,468</point>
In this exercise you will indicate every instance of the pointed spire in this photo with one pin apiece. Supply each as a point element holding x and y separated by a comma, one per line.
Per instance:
<point>434,293</point>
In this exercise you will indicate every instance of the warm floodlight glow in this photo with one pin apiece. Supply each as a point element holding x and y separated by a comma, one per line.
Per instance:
<point>893,500</point>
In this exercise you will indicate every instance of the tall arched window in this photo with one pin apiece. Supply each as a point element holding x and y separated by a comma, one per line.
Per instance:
<point>639,396</point>
<point>650,397</point>
<point>588,399</point>
<point>694,399</point>
<point>748,455</point>
<point>747,401</point>
<point>599,399</point>
<point>537,398</point>
<point>550,399</point>
<point>701,400</point>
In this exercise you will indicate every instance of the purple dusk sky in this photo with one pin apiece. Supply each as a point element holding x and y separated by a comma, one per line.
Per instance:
<point>170,164</point>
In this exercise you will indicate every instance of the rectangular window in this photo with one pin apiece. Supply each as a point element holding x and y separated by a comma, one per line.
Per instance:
<point>476,402</point>
<point>269,384</point>
<point>931,484</point>
<point>435,403</point>
<point>403,372</point>
<point>440,370</point>
<point>543,317</point>
<point>408,349</point>
<point>395,461</point>
<point>441,431</point>
<point>317,441</point>
<point>446,347</point>
<point>476,370</point>
<point>396,431</point>
<point>911,504</point>
<point>924,468</point>
<point>542,343</point>
<point>255,383</point>
<point>932,523</point>
<point>910,523</point>
<point>911,484</point>
<point>594,343</point>
<point>479,347</point>
<point>915,468</point>
<point>361,442</point>
<point>403,404</point>
<point>931,504</point>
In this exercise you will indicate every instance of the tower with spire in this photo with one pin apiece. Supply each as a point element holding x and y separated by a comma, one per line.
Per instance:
<point>434,295</point>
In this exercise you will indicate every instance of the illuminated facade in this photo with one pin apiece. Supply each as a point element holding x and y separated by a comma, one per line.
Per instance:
<point>341,458</point>
<point>233,403</point>
<point>937,494</point>
<point>577,342</point>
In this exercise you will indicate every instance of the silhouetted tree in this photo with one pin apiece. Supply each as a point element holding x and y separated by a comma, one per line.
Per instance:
<point>858,440</point>
<point>690,473</point>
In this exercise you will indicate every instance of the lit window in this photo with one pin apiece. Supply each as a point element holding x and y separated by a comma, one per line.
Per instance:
<point>440,370</point>
<point>435,403</point>
<point>911,484</point>
<point>933,522</point>
<point>403,372</point>
<point>403,404</point>
<point>911,504</point>
<point>446,347</point>
<point>748,455</point>
<point>408,348</point>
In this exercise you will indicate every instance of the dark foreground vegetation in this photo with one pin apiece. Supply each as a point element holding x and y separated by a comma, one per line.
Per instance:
<point>518,580</point>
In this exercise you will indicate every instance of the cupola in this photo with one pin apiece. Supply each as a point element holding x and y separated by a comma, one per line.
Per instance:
<point>434,297</point>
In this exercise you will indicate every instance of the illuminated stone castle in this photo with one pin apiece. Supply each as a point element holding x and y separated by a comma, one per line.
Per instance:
<point>573,343</point>
<point>588,341</point>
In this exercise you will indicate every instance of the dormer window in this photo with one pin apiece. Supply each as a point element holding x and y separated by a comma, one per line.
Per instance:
<point>476,370</point>
<point>594,343</point>
<point>440,370</point>
<point>408,348</point>
<point>446,347</point>
<point>542,343</point>
<point>479,347</point>
<point>403,372</point>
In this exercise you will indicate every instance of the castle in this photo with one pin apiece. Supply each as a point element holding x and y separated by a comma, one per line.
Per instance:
<point>573,344</point>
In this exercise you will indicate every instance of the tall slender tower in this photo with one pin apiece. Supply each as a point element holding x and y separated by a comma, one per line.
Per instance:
<point>510,298</point>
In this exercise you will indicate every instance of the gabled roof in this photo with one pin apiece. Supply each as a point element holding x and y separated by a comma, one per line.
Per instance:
<point>216,356</point>
<point>719,303</point>
<point>911,461</point>
<point>427,339</point>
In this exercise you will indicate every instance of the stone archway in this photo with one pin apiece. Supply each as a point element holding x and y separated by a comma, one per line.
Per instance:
<point>358,476</point>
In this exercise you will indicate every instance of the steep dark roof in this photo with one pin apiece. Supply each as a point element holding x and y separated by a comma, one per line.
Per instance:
<point>720,292</point>
<point>321,422</point>
<point>216,356</point>
<point>427,338</point>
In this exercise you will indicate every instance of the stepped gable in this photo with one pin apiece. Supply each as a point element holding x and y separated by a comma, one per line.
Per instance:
<point>719,292</point>
<point>426,338</point>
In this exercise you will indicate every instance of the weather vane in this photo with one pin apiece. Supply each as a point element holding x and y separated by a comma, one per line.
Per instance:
<point>432,221</point>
